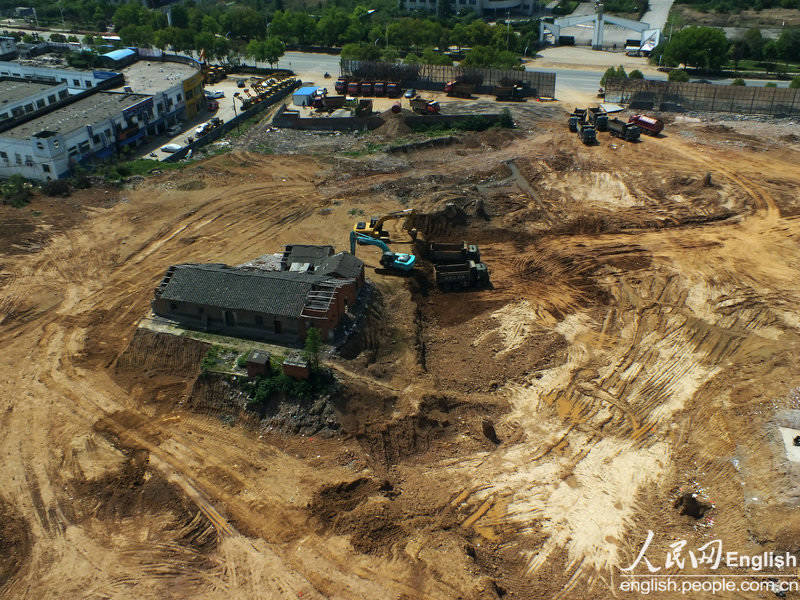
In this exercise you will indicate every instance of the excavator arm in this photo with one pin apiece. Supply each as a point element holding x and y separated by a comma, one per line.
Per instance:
<point>375,226</point>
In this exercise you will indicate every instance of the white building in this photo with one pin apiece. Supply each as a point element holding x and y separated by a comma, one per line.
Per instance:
<point>8,48</point>
<point>49,146</point>
<point>18,98</point>
<point>75,80</point>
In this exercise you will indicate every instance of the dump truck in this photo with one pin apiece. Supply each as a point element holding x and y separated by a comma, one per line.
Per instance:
<point>328,102</point>
<point>459,89</point>
<point>379,88</point>
<point>623,130</point>
<point>353,88</point>
<point>649,125</point>
<point>599,118</point>
<point>366,88</point>
<point>440,253</point>
<point>461,276</point>
<point>587,133</point>
<point>509,93</point>
<point>393,89</point>
<point>341,85</point>
<point>423,106</point>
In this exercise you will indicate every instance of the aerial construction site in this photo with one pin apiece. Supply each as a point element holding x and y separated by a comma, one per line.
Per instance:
<point>628,372</point>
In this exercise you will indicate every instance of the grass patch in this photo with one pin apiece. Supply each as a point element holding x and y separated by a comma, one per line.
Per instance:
<point>139,166</point>
<point>370,148</point>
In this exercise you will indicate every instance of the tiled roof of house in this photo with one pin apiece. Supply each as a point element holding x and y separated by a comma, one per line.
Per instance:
<point>271,292</point>
<point>343,265</point>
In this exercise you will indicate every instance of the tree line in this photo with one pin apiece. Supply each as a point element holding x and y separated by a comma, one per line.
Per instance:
<point>708,49</point>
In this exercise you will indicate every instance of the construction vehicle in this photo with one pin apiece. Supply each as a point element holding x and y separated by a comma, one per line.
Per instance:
<point>375,227</point>
<point>379,88</point>
<point>587,133</point>
<point>366,88</point>
<point>440,253</point>
<point>328,102</point>
<point>649,125</point>
<point>423,106</point>
<point>573,122</point>
<point>459,89</point>
<point>363,108</point>
<point>353,88</point>
<point>623,130</point>
<point>509,93</point>
<point>341,85</point>
<point>393,89</point>
<point>396,261</point>
<point>599,118</point>
<point>462,276</point>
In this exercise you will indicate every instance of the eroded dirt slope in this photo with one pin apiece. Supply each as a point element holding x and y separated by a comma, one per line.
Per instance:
<point>642,332</point>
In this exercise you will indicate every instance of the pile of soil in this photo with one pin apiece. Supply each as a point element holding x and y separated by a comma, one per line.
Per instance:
<point>394,124</point>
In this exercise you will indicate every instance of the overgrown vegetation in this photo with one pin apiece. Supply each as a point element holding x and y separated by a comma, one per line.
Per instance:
<point>210,360</point>
<point>15,191</point>
<point>613,73</point>
<point>736,6</point>
<point>140,166</point>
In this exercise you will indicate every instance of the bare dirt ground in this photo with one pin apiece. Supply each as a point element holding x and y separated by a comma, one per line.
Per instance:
<point>772,17</point>
<point>641,340</point>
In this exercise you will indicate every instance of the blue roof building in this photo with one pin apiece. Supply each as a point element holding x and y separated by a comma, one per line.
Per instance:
<point>118,58</point>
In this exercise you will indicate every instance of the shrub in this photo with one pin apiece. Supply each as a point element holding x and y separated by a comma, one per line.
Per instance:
<point>636,74</point>
<point>771,84</point>
<point>506,120</point>
<point>795,84</point>
<point>210,359</point>
<point>57,187</point>
<point>678,75</point>
<point>15,191</point>
<point>738,81</point>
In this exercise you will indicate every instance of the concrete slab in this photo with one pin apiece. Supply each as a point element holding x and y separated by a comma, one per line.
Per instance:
<point>792,451</point>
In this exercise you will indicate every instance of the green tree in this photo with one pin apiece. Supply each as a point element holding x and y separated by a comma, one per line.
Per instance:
<point>269,50</point>
<point>613,73</point>
<point>179,16</point>
<point>678,75</point>
<point>788,44</point>
<point>738,81</point>
<point>701,47</point>
<point>771,84</point>
<point>313,347</point>
<point>737,52</point>
<point>754,43</point>
<point>488,57</point>
<point>636,74</point>
<point>795,83</point>
<point>58,37</point>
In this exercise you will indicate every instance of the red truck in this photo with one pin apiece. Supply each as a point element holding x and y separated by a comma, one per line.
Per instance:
<point>353,88</point>
<point>459,89</point>
<point>647,124</point>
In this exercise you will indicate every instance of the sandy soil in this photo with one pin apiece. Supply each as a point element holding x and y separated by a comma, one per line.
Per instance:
<point>640,340</point>
<point>586,59</point>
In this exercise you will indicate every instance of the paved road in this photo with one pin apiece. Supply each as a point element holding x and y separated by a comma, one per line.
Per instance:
<point>589,81</point>
<point>657,13</point>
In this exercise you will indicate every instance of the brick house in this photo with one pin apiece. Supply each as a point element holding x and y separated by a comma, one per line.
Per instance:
<point>262,304</point>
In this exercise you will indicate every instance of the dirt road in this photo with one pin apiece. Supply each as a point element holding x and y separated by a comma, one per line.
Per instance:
<point>640,336</point>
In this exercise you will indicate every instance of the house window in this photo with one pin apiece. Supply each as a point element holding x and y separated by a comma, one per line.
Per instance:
<point>179,97</point>
<point>46,168</point>
<point>18,158</point>
<point>77,82</point>
<point>96,139</point>
<point>29,108</point>
<point>63,94</point>
<point>51,98</point>
<point>40,103</point>
<point>173,306</point>
<point>259,321</point>
<point>108,133</point>
<point>88,84</point>
<point>277,325</point>
<point>4,156</point>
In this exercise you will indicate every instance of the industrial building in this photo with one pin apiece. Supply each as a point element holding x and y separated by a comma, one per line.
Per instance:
<point>52,119</point>
<point>278,300</point>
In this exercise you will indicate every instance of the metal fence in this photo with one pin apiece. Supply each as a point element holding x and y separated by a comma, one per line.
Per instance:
<point>435,76</point>
<point>703,97</point>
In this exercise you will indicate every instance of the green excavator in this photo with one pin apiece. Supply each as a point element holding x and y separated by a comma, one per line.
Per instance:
<point>391,260</point>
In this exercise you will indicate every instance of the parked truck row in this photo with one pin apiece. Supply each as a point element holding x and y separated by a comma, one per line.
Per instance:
<point>587,122</point>
<point>363,87</point>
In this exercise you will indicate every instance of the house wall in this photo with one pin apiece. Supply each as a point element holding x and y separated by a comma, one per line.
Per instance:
<point>33,103</point>
<point>241,324</point>
<point>74,79</point>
